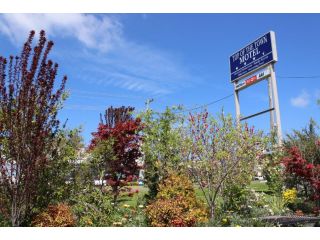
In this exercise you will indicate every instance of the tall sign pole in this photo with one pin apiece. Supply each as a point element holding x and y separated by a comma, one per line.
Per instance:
<point>271,104</point>
<point>252,64</point>
<point>237,103</point>
<point>276,104</point>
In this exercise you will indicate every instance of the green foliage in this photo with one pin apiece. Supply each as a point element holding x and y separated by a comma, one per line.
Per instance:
<point>273,171</point>
<point>130,216</point>
<point>93,208</point>
<point>307,141</point>
<point>163,147</point>
<point>235,197</point>
<point>176,204</point>
<point>102,153</point>
<point>58,182</point>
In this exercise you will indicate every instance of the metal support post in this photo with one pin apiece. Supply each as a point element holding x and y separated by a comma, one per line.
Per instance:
<point>276,104</point>
<point>237,103</point>
<point>271,103</point>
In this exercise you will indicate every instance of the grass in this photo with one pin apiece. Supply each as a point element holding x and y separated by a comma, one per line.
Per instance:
<point>259,186</point>
<point>133,201</point>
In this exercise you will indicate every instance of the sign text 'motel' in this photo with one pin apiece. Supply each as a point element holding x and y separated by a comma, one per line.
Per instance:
<point>253,56</point>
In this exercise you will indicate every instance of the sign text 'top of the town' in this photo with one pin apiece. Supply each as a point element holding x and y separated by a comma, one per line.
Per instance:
<point>254,56</point>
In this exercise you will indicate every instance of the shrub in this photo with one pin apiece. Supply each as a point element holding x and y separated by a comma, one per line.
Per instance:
<point>176,204</point>
<point>55,216</point>
<point>93,208</point>
<point>300,171</point>
<point>290,195</point>
<point>235,198</point>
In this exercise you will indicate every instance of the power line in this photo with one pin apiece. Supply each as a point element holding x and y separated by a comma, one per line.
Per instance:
<point>205,105</point>
<point>299,76</point>
<point>230,95</point>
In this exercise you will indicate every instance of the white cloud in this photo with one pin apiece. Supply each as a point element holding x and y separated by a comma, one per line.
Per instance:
<point>302,100</point>
<point>100,33</point>
<point>117,61</point>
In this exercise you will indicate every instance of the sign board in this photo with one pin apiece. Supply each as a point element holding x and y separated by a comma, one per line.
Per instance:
<point>254,79</point>
<point>254,56</point>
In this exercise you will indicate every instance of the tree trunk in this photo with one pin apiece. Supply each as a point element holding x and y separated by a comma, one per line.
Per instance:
<point>14,215</point>
<point>212,212</point>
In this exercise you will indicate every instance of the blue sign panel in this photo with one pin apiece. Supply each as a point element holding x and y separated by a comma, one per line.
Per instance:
<point>255,55</point>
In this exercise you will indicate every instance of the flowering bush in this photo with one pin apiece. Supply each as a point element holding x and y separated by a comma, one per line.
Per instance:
<point>290,195</point>
<point>55,216</point>
<point>223,157</point>
<point>176,204</point>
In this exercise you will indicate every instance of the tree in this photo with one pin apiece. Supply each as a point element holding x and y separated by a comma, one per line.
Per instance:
<point>28,110</point>
<point>307,140</point>
<point>63,168</point>
<point>304,173</point>
<point>116,145</point>
<point>222,156</point>
<point>162,146</point>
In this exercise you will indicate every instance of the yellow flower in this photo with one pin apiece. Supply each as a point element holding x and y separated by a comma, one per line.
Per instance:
<point>224,220</point>
<point>290,195</point>
<point>126,205</point>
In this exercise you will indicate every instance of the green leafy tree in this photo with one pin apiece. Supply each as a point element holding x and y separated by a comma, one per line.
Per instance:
<point>273,169</point>
<point>162,146</point>
<point>60,179</point>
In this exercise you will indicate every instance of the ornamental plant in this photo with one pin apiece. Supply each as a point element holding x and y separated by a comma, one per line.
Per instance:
<point>223,156</point>
<point>93,208</point>
<point>290,195</point>
<point>60,179</point>
<point>55,216</point>
<point>308,142</point>
<point>298,170</point>
<point>29,104</point>
<point>163,145</point>
<point>116,147</point>
<point>176,204</point>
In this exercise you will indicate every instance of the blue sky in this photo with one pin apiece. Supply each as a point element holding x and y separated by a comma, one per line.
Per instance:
<point>123,59</point>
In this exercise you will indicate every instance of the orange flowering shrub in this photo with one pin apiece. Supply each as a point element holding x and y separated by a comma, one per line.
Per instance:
<point>176,204</point>
<point>55,216</point>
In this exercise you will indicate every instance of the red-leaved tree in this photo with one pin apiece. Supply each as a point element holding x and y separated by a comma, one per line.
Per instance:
<point>303,172</point>
<point>29,105</point>
<point>120,135</point>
